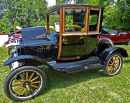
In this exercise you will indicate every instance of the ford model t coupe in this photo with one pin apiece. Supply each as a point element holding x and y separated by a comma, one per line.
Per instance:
<point>66,44</point>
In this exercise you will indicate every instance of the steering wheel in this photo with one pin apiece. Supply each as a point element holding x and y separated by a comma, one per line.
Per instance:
<point>68,29</point>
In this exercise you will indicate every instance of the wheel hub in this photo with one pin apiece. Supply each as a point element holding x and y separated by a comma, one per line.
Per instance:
<point>113,65</point>
<point>26,84</point>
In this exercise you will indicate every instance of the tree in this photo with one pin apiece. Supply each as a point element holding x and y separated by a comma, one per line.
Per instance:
<point>117,15</point>
<point>71,1</point>
<point>25,13</point>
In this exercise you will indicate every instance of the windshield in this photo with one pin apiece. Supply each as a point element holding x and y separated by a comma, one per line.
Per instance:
<point>74,20</point>
<point>54,19</point>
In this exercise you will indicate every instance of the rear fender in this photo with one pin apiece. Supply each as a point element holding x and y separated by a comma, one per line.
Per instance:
<point>106,41</point>
<point>107,52</point>
<point>23,57</point>
<point>102,45</point>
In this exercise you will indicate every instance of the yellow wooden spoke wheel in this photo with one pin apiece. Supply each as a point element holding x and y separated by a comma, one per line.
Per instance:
<point>113,65</point>
<point>24,83</point>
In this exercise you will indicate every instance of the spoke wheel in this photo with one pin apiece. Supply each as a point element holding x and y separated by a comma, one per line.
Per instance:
<point>24,83</point>
<point>113,65</point>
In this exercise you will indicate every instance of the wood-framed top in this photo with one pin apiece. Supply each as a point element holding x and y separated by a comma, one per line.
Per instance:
<point>70,20</point>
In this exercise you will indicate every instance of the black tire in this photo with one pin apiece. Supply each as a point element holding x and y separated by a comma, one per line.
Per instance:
<point>24,83</point>
<point>113,65</point>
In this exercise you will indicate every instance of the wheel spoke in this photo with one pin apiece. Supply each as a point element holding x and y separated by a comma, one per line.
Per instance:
<point>26,76</point>
<point>16,85</point>
<point>26,91</point>
<point>116,59</point>
<point>17,89</point>
<point>22,76</point>
<point>109,64</point>
<point>116,67</point>
<point>31,89</point>
<point>111,70</point>
<point>34,78</point>
<point>35,82</point>
<point>117,62</point>
<point>113,58</point>
<point>34,86</point>
<point>21,91</point>
<point>16,80</point>
<point>31,76</point>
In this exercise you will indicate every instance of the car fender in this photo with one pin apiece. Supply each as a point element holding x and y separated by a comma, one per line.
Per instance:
<point>106,41</point>
<point>107,52</point>
<point>23,57</point>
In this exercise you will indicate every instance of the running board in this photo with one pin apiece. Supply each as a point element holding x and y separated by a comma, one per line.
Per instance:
<point>70,67</point>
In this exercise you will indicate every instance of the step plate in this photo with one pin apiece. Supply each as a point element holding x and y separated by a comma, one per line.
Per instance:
<point>70,67</point>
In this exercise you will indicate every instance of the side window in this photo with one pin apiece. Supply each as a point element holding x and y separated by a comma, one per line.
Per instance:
<point>93,20</point>
<point>74,20</point>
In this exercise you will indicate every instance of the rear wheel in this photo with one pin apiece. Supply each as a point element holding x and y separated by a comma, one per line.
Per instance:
<point>24,83</point>
<point>113,65</point>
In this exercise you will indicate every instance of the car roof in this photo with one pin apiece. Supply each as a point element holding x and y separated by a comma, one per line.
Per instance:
<point>70,5</point>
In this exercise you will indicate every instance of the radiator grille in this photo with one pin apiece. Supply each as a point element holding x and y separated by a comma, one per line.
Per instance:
<point>44,51</point>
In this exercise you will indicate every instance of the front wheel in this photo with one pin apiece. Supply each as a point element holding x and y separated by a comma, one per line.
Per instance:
<point>24,83</point>
<point>113,65</point>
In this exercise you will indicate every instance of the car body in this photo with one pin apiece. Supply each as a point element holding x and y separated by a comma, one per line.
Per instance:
<point>2,33</point>
<point>118,37</point>
<point>69,47</point>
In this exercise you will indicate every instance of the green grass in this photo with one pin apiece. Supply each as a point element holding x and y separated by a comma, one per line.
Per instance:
<point>83,87</point>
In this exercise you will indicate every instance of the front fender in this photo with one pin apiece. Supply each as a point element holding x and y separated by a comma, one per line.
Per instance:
<point>21,57</point>
<point>107,52</point>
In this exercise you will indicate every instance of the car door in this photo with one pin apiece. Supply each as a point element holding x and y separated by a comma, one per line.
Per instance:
<point>114,36</point>
<point>124,37</point>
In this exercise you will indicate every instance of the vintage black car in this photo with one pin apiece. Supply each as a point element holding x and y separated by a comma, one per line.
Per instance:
<point>66,44</point>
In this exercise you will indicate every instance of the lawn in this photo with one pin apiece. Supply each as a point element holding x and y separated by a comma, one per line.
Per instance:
<point>83,87</point>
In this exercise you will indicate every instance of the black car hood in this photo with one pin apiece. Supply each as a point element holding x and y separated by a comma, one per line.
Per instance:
<point>34,36</point>
<point>33,33</point>
<point>40,42</point>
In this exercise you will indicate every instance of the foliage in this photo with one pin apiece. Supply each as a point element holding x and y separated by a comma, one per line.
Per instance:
<point>24,13</point>
<point>116,12</point>
<point>117,15</point>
